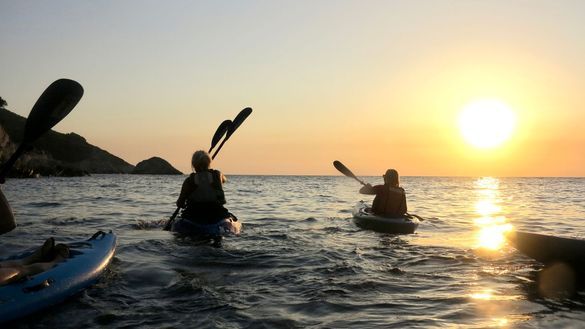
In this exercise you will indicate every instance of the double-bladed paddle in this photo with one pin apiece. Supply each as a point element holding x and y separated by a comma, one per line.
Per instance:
<point>227,128</point>
<point>220,132</point>
<point>344,170</point>
<point>238,120</point>
<point>52,106</point>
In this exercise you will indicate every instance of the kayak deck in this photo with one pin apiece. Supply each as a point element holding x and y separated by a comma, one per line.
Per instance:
<point>226,226</point>
<point>87,261</point>
<point>549,249</point>
<point>364,218</point>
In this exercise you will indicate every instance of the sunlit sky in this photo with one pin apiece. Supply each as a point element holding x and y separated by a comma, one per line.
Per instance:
<point>375,84</point>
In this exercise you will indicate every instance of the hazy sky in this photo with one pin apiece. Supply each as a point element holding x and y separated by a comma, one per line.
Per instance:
<point>375,84</point>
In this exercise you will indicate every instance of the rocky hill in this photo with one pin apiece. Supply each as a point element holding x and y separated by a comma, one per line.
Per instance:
<point>55,154</point>
<point>155,166</point>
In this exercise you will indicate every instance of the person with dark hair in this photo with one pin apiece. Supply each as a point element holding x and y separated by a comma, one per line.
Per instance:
<point>202,195</point>
<point>390,200</point>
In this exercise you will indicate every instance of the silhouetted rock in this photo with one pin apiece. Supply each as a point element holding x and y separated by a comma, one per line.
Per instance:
<point>155,166</point>
<point>55,154</point>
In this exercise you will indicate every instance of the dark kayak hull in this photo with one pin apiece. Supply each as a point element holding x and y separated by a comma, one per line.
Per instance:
<point>88,260</point>
<point>363,218</point>
<point>226,226</point>
<point>549,249</point>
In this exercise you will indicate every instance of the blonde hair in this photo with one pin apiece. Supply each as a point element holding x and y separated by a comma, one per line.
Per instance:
<point>391,178</point>
<point>200,160</point>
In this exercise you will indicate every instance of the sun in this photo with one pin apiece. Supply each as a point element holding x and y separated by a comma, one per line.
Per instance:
<point>487,123</point>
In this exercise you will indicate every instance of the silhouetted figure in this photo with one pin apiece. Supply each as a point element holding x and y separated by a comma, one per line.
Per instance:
<point>390,200</point>
<point>7,223</point>
<point>202,193</point>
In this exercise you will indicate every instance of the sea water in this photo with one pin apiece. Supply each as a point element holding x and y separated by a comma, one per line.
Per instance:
<point>301,262</point>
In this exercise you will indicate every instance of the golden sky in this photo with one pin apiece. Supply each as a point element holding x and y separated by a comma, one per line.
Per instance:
<point>374,84</point>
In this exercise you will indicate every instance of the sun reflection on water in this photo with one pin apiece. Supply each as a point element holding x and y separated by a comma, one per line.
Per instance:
<point>491,223</point>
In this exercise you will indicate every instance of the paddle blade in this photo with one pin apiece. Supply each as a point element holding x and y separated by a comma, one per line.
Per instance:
<point>235,124</point>
<point>238,120</point>
<point>220,132</point>
<point>51,107</point>
<point>343,169</point>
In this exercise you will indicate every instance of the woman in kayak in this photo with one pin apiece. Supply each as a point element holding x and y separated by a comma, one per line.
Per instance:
<point>202,195</point>
<point>390,200</point>
<point>39,261</point>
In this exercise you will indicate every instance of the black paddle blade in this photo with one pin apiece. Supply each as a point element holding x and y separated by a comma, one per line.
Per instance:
<point>235,124</point>
<point>238,120</point>
<point>51,107</point>
<point>343,169</point>
<point>220,132</point>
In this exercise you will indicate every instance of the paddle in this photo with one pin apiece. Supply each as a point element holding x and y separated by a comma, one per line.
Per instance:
<point>219,133</point>
<point>232,128</point>
<point>344,170</point>
<point>227,127</point>
<point>52,106</point>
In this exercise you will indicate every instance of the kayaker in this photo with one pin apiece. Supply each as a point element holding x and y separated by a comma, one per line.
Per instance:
<point>202,195</point>
<point>390,200</point>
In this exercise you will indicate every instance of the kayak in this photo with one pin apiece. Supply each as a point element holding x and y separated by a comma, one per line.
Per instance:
<point>87,261</point>
<point>549,249</point>
<point>364,218</point>
<point>225,226</point>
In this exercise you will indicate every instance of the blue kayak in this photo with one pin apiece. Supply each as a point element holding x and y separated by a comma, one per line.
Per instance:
<point>87,261</point>
<point>223,227</point>
<point>364,218</point>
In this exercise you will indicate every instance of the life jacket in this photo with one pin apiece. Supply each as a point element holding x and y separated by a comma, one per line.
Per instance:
<point>208,188</point>
<point>389,202</point>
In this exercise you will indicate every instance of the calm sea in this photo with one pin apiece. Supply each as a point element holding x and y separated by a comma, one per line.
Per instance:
<point>301,262</point>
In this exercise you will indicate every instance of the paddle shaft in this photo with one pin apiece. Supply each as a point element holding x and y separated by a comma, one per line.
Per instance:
<point>8,165</point>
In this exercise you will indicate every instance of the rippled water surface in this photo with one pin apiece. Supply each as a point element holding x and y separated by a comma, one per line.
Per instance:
<point>300,261</point>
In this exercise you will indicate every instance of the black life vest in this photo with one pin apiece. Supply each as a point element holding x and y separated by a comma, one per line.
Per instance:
<point>208,188</point>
